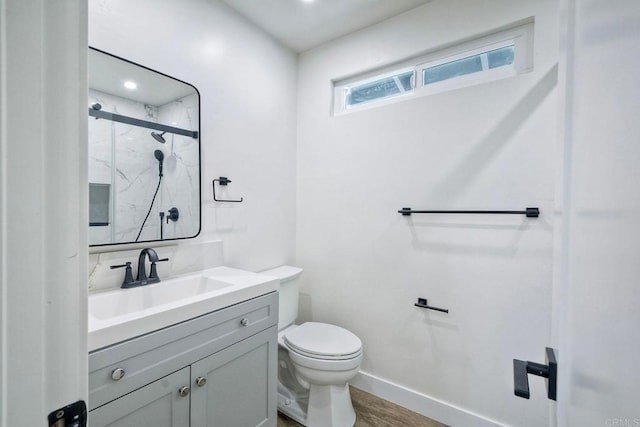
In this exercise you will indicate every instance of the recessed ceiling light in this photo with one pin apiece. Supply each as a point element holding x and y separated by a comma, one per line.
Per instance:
<point>130,85</point>
<point>308,1</point>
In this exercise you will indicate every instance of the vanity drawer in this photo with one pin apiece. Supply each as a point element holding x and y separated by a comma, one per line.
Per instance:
<point>127,366</point>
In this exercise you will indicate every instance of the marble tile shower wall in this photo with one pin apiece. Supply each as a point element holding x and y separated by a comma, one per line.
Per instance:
<point>123,155</point>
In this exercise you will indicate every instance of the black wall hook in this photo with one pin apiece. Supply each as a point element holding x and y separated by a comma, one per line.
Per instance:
<point>223,180</point>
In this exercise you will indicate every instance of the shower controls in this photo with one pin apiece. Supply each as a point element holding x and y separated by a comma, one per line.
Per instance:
<point>173,214</point>
<point>117,374</point>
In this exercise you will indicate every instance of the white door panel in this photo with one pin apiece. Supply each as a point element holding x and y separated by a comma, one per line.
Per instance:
<point>43,199</point>
<point>599,308</point>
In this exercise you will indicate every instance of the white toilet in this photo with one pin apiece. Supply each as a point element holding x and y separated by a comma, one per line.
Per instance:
<point>315,362</point>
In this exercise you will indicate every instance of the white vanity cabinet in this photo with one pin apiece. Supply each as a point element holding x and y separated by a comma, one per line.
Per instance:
<point>238,389</point>
<point>219,369</point>
<point>156,404</point>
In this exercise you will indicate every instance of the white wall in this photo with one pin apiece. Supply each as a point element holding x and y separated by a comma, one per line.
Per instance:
<point>485,147</point>
<point>598,313</point>
<point>247,84</point>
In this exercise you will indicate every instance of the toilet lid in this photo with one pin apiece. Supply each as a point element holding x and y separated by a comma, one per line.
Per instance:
<point>323,340</point>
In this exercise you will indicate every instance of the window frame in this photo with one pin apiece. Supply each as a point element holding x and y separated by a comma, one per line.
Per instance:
<point>520,36</point>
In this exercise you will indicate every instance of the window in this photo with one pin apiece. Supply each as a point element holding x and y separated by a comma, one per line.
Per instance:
<point>477,63</point>
<point>493,57</point>
<point>380,87</point>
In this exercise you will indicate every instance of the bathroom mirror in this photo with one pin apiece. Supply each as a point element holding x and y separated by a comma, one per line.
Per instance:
<point>144,153</point>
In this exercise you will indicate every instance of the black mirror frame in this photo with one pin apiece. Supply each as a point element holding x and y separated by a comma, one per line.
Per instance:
<point>199,157</point>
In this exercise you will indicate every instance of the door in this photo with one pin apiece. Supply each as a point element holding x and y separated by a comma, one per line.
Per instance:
<point>599,286</point>
<point>43,198</point>
<point>240,384</point>
<point>162,403</point>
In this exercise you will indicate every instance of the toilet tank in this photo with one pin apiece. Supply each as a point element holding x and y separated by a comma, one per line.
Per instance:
<point>288,301</point>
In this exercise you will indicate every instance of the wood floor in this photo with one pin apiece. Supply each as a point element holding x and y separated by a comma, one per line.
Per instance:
<point>372,411</point>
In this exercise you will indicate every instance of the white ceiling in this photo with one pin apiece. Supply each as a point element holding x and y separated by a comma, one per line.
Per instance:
<point>302,25</point>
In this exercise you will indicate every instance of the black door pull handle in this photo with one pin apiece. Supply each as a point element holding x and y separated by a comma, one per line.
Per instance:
<point>521,369</point>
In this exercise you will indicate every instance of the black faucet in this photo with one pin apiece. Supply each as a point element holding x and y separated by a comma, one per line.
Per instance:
<point>142,271</point>
<point>142,278</point>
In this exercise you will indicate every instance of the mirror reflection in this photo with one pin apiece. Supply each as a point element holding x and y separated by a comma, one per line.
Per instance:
<point>144,154</point>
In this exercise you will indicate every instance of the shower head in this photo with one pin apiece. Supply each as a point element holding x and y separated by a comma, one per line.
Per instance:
<point>158,137</point>
<point>159,155</point>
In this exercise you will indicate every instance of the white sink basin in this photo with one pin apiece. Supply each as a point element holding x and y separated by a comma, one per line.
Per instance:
<point>122,314</point>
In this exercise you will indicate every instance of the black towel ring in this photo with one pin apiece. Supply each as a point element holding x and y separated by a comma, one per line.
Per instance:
<point>223,180</point>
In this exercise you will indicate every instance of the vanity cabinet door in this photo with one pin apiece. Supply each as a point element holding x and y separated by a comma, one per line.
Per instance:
<point>157,404</point>
<point>240,384</point>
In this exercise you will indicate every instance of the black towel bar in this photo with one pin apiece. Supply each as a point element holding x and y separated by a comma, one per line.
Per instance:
<point>529,212</point>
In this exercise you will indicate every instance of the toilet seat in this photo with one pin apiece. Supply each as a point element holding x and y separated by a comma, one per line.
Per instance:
<point>326,365</point>
<point>323,341</point>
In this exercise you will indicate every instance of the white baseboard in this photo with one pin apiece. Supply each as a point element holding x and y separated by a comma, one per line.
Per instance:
<point>435,409</point>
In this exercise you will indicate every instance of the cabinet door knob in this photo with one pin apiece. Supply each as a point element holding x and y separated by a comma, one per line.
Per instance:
<point>184,391</point>
<point>201,381</point>
<point>244,322</point>
<point>117,374</point>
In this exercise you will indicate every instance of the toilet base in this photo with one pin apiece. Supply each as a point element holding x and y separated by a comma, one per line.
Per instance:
<point>293,405</point>
<point>330,406</point>
<point>323,406</point>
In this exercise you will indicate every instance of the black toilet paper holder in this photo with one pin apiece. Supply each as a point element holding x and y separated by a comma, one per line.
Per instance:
<point>422,303</point>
